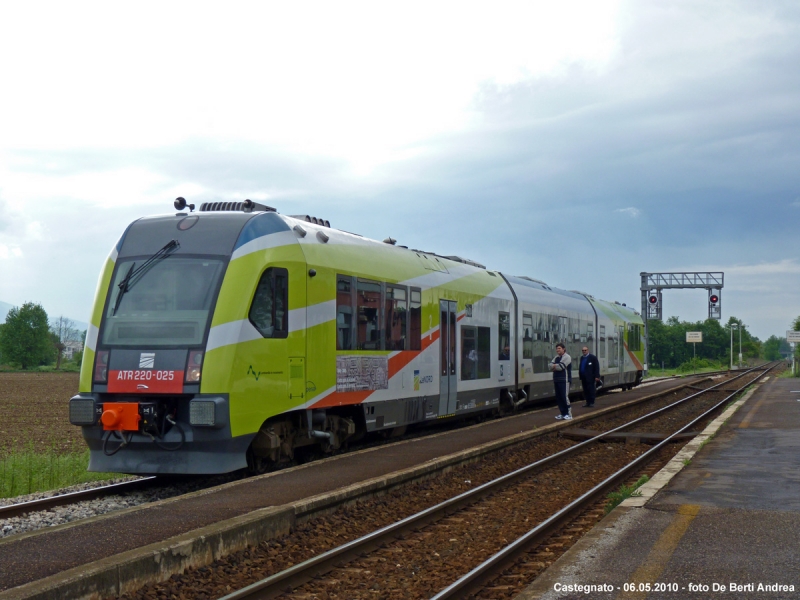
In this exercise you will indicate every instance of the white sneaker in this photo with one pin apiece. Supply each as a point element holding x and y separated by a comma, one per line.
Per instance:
<point>559,417</point>
<point>567,417</point>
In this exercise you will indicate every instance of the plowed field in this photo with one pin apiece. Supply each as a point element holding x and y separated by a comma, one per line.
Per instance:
<point>34,413</point>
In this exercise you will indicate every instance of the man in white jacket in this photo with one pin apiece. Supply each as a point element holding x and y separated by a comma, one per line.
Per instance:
<point>561,366</point>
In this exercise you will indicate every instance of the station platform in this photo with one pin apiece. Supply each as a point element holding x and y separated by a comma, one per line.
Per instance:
<point>721,520</point>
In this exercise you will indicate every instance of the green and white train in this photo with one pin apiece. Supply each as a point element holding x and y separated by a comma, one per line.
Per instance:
<point>233,336</point>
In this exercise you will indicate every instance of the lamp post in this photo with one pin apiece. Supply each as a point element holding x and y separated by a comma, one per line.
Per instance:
<point>740,344</point>
<point>733,326</point>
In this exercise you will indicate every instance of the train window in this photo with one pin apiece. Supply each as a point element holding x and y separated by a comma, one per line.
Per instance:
<point>542,348</point>
<point>504,336</point>
<point>563,328</point>
<point>590,332</point>
<point>634,337</point>
<point>396,315</point>
<point>269,311</point>
<point>415,320</point>
<point>602,353</point>
<point>613,347</point>
<point>168,304</point>
<point>344,313</point>
<point>368,304</point>
<point>475,352</point>
<point>527,335</point>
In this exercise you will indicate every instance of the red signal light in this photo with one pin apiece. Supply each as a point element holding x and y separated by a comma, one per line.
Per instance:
<point>653,299</point>
<point>713,298</point>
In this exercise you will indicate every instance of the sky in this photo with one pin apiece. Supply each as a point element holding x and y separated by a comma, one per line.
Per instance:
<point>580,143</point>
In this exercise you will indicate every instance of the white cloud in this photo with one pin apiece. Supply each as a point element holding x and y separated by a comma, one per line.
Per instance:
<point>787,266</point>
<point>630,211</point>
<point>34,231</point>
<point>8,252</point>
<point>360,80</point>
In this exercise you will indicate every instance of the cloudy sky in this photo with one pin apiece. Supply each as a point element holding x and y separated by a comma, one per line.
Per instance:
<point>580,143</point>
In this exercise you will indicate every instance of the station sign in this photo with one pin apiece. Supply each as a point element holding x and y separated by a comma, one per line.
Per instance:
<point>793,337</point>
<point>694,336</point>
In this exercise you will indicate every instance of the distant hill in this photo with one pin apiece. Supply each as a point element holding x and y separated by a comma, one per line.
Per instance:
<point>5,307</point>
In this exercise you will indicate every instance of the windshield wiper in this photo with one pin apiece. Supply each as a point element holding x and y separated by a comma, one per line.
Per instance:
<point>133,277</point>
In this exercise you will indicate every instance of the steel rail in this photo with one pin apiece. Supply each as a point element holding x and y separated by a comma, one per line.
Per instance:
<point>303,572</point>
<point>20,508</point>
<point>14,510</point>
<point>476,579</point>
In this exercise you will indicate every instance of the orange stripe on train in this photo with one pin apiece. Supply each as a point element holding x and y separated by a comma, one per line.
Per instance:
<point>396,364</point>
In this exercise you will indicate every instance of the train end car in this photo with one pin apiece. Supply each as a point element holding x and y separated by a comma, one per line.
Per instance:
<point>620,344</point>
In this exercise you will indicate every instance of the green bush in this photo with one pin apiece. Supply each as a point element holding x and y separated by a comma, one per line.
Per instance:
<point>700,364</point>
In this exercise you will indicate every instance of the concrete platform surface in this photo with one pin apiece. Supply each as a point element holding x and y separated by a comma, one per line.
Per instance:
<point>721,520</point>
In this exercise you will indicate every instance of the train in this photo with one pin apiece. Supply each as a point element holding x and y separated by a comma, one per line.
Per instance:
<point>235,337</point>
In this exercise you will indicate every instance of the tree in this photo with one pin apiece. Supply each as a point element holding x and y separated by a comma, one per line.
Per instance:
<point>667,341</point>
<point>772,348</point>
<point>25,338</point>
<point>64,332</point>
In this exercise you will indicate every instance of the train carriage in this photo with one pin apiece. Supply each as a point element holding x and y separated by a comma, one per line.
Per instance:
<point>234,337</point>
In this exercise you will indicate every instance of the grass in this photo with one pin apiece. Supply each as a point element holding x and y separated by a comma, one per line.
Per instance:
<point>66,367</point>
<point>705,441</point>
<point>678,372</point>
<point>625,492</point>
<point>29,471</point>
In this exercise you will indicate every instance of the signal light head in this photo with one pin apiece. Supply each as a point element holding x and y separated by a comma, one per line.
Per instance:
<point>653,299</point>
<point>713,298</point>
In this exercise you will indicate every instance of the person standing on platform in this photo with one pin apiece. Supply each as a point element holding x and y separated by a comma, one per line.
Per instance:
<point>589,372</point>
<point>561,366</point>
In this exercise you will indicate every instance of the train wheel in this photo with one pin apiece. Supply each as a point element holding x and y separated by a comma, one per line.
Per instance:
<point>257,465</point>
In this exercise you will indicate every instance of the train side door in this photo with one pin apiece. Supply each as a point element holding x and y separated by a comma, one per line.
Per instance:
<point>447,360</point>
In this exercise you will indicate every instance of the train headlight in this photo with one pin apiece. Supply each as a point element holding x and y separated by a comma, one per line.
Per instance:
<point>202,412</point>
<point>81,411</point>
<point>101,366</point>
<point>209,411</point>
<point>194,366</point>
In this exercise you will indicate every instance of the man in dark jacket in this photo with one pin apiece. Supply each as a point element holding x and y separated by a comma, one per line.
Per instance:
<point>561,366</point>
<point>589,372</point>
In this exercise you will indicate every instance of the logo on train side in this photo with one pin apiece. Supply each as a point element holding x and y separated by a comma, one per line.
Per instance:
<point>147,360</point>
<point>257,374</point>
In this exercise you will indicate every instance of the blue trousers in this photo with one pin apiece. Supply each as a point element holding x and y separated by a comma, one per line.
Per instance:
<point>562,395</point>
<point>589,390</point>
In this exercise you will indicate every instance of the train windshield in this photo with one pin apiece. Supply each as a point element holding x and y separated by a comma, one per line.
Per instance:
<point>170,305</point>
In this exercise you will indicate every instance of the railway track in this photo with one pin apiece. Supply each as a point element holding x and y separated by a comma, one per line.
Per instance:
<point>60,500</point>
<point>480,445</point>
<point>359,562</point>
<point>495,566</point>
